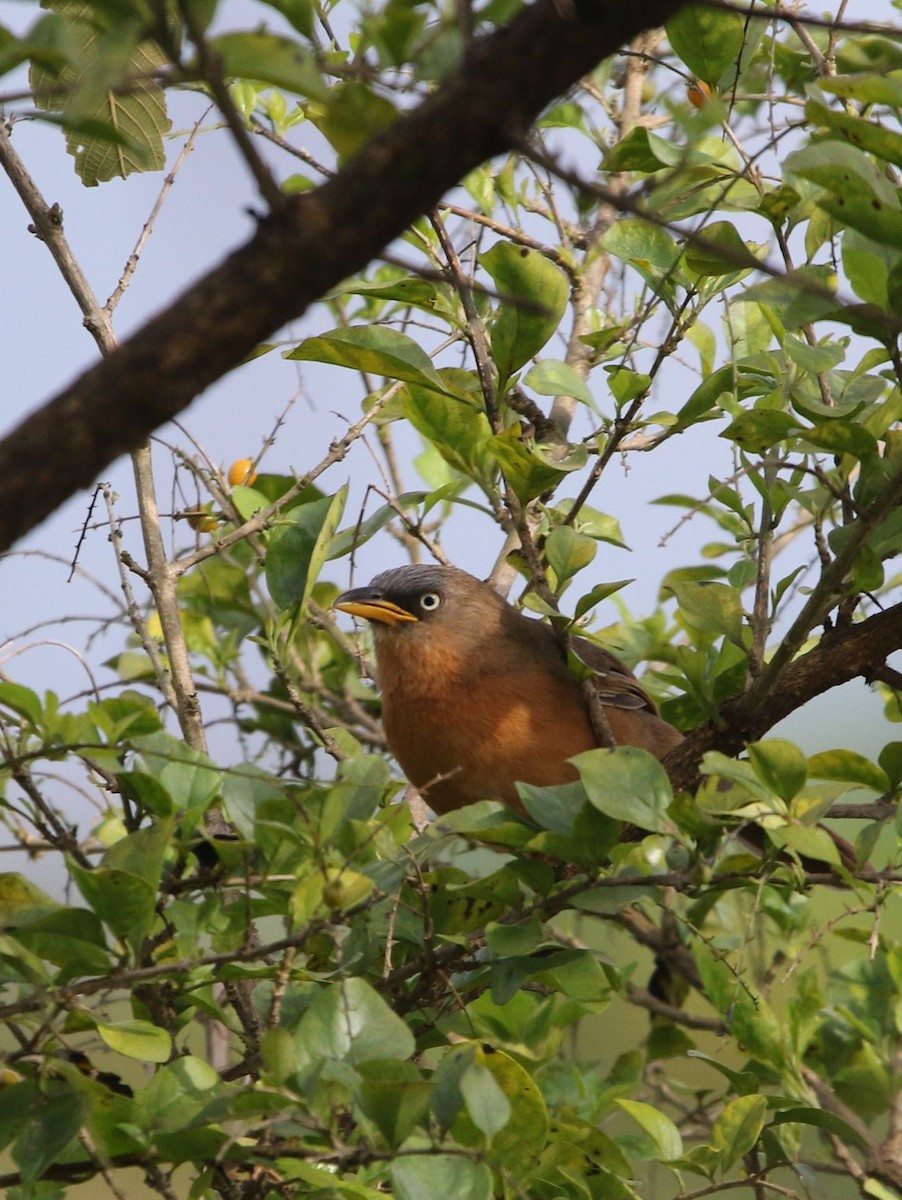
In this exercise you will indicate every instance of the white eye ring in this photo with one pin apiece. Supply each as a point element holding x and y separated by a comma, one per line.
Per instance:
<point>430,601</point>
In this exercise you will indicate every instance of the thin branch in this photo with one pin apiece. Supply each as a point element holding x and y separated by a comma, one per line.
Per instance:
<point>476,331</point>
<point>135,256</point>
<point>149,643</point>
<point>48,226</point>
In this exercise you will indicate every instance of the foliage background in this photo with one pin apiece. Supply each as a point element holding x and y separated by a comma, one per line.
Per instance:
<point>261,978</point>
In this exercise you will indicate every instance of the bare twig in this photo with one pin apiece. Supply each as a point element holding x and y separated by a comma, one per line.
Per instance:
<point>133,259</point>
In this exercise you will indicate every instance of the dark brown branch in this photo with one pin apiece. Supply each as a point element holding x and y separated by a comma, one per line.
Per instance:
<point>308,246</point>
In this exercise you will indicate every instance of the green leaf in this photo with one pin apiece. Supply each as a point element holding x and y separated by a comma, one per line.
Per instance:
<point>109,132</point>
<point>744,1083</point>
<point>375,349</point>
<point>143,852</point>
<point>822,357</point>
<point>17,1102</point>
<point>21,899</point>
<point>178,1093</point>
<point>486,1104</point>
<point>554,808</point>
<point>299,544</point>
<point>626,385</point>
<point>641,150</point>
<point>248,500</point>
<point>848,766</point>
<point>532,468</point>
<point>873,270</point>
<point>49,1131</point>
<point>719,250</point>
<point>738,1128</point>
<point>711,608</point>
<point>516,1143</point>
<point>867,86</point>
<point>356,535</point>
<point>890,759</point>
<point>454,423</point>
<point>188,775</point>
<point>751,1020</point>
<point>350,1020</point>
<point>807,841</point>
<point>628,784</point>
<point>576,974</point>
<point>798,297</point>
<point>760,428</point>
<point>534,299</point>
<point>642,243</point>
<point>712,182</point>
<point>855,192</point>
<point>708,40</point>
<point>145,792</point>
<point>600,592</point>
<point>507,940</point>
<point>428,294</point>
<point>426,1176</point>
<point>880,1191</point>
<point>136,1039</point>
<point>72,939</point>
<point>702,404</point>
<point>779,764</point>
<point>245,787</point>
<point>658,1126</point>
<point>842,170</point>
<point>395,1096</point>
<point>13,51</point>
<point>122,901</point>
<point>820,1120</point>
<point>841,437</point>
<point>861,132</point>
<point>880,222</point>
<point>551,377</point>
<point>352,116</point>
<point>270,58</point>
<point>568,552</point>
<point>299,14</point>
<point>21,700</point>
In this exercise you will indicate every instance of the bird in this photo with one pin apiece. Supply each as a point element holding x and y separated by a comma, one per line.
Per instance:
<point>477,697</point>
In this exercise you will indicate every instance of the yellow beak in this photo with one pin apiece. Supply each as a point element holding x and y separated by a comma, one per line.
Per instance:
<point>372,606</point>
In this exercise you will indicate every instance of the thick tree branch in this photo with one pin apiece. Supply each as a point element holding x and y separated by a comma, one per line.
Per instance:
<point>308,246</point>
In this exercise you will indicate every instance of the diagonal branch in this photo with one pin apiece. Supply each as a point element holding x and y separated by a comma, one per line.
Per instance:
<point>309,245</point>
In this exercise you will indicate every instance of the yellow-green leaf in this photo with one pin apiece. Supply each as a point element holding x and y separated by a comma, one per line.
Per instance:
<point>136,1039</point>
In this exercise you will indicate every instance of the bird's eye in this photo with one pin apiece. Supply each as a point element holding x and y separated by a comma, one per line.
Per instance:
<point>430,601</point>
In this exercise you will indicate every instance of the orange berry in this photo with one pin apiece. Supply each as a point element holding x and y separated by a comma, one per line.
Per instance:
<point>242,472</point>
<point>698,93</point>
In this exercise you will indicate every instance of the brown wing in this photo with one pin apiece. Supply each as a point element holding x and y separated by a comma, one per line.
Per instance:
<point>617,686</point>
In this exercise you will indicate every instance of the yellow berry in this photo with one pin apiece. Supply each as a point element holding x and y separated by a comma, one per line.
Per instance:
<point>242,472</point>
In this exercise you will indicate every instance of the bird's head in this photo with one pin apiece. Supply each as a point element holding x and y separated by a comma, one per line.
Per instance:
<point>432,624</point>
<point>439,596</point>
<point>427,604</point>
